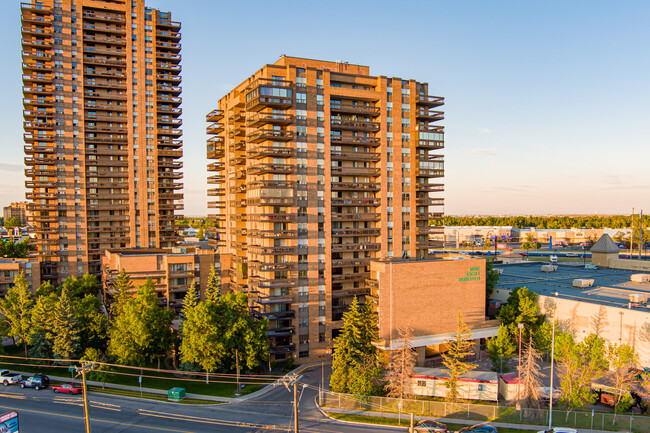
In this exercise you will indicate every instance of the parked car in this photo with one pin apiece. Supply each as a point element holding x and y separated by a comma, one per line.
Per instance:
<point>571,254</point>
<point>479,428</point>
<point>427,426</point>
<point>68,388</point>
<point>559,430</point>
<point>37,381</point>
<point>8,378</point>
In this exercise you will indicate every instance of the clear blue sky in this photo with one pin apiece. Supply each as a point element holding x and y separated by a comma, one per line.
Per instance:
<point>547,102</point>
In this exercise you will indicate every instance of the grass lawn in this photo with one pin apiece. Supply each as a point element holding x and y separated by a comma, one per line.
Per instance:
<point>219,387</point>
<point>148,396</point>
<point>405,422</point>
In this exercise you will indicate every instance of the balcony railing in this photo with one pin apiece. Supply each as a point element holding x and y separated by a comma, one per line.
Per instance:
<point>260,119</point>
<point>269,134</point>
<point>356,125</point>
<point>357,109</point>
<point>350,139</point>
<point>433,101</point>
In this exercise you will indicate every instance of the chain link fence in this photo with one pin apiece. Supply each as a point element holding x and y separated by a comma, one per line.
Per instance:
<point>486,412</point>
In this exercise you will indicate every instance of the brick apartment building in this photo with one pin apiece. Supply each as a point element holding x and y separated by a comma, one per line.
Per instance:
<point>11,268</point>
<point>427,295</point>
<point>172,270</point>
<point>101,88</point>
<point>16,210</point>
<point>318,168</point>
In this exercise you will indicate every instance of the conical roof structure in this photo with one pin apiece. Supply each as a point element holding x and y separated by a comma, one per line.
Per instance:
<point>605,245</point>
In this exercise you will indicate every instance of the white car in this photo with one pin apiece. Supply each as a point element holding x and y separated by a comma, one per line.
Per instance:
<point>559,430</point>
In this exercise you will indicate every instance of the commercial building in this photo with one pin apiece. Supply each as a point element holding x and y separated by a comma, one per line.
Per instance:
<point>473,385</point>
<point>16,210</point>
<point>611,303</point>
<point>172,270</point>
<point>101,86</point>
<point>318,168</point>
<point>11,268</point>
<point>426,296</point>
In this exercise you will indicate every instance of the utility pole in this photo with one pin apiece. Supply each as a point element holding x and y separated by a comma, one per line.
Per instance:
<point>640,233</point>
<point>632,235</point>
<point>85,367</point>
<point>295,407</point>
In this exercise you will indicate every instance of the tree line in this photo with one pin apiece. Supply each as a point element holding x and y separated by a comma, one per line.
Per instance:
<point>547,222</point>
<point>70,322</point>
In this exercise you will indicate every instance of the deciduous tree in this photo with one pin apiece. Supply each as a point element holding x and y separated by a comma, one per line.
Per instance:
<point>501,347</point>
<point>622,359</point>
<point>16,310</point>
<point>102,372</point>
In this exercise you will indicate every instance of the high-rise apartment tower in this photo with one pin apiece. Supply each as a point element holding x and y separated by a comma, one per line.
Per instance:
<point>102,126</point>
<point>318,168</point>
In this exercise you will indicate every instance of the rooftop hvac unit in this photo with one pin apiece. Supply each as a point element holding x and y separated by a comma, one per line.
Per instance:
<point>549,268</point>
<point>640,278</point>
<point>581,283</point>
<point>638,298</point>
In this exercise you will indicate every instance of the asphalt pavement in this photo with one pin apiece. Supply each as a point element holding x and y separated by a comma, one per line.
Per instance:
<point>269,410</point>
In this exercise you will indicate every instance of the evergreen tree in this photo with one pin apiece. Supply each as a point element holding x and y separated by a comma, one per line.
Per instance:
<point>92,324</point>
<point>352,350</point>
<point>400,368</point>
<point>201,338</point>
<point>45,289</point>
<point>213,287</point>
<point>64,329</point>
<point>501,347</point>
<point>122,291</point>
<point>16,310</point>
<point>460,347</point>
<point>491,280</point>
<point>41,327</point>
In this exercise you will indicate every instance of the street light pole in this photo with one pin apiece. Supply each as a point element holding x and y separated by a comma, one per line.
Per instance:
<point>550,414</point>
<point>520,326</point>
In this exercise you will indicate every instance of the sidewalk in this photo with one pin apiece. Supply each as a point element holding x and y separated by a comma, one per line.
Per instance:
<point>406,417</point>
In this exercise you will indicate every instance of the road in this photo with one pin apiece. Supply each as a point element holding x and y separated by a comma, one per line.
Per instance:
<point>44,411</point>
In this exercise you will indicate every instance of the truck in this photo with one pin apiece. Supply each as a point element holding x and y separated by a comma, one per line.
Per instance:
<point>8,378</point>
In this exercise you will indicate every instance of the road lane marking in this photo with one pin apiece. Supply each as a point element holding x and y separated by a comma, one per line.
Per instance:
<point>190,418</point>
<point>97,420</point>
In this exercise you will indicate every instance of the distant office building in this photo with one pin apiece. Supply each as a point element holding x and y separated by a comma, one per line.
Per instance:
<point>101,86</point>
<point>172,271</point>
<point>427,295</point>
<point>318,168</point>
<point>16,210</point>
<point>11,268</point>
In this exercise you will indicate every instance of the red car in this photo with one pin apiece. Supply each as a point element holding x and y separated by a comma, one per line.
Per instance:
<point>68,388</point>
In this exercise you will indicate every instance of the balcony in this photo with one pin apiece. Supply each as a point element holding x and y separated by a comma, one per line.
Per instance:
<point>356,232</point>
<point>277,250</point>
<point>283,100</point>
<point>360,291</point>
<point>429,115</point>
<point>355,156</point>
<point>168,66</point>
<point>351,216</point>
<point>361,246</point>
<point>345,201</point>
<point>272,284</point>
<point>260,119</point>
<point>103,17</point>
<point>269,134</point>
<point>431,101</point>
<point>430,172</point>
<point>274,234</point>
<point>270,168</point>
<point>168,45</point>
<point>351,277</point>
<point>427,216</point>
<point>355,171</point>
<point>276,315</point>
<point>280,332</point>
<point>271,152</point>
<point>356,186</point>
<point>358,141</point>
<point>430,187</point>
<point>430,202</point>
<point>273,218</point>
<point>277,350</point>
<point>90,60</point>
<point>214,128</point>
<point>168,34</point>
<point>167,88</point>
<point>430,230</point>
<point>170,132</point>
<point>364,110</point>
<point>214,116</point>
<point>354,125</point>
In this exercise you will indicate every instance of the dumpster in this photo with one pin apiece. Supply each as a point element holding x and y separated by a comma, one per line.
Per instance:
<point>176,394</point>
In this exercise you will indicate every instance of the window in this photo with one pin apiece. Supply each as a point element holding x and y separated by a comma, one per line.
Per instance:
<point>301,98</point>
<point>423,383</point>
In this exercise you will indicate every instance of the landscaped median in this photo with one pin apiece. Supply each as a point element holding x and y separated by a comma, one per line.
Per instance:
<point>387,410</point>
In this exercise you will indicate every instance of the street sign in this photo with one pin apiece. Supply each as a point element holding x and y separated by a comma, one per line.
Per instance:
<point>9,422</point>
